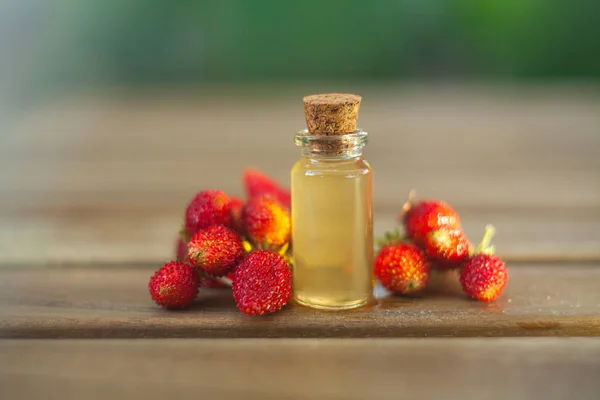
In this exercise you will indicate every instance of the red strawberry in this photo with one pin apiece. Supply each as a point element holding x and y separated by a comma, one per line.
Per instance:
<point>447,248</point>
<point>208,208</point>
<point>266,221</point>
<point>236,214</point>
<point>262,283</point>
<point>216,250</point>
<point>425,217</point>
<point>181,249</point>
<point>181,253</point>
<point>259,184</point>
<point>484,276</point>
<point>402,268</point>
<point>175,285</point>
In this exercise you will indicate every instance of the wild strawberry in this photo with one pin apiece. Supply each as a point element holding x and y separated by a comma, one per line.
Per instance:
<point>175,285</point>
<point>402,268</point>
<point>447,248</point>
<point>266,222</point>
<point>208,208</point>
<point>262,283</point>
<point>259,184</point>
<point>181,249</point>
<point>427,216</point>
<point>236,214</point>
<point>484,276</point>
<point>216,250</point>
<point>181,254</point>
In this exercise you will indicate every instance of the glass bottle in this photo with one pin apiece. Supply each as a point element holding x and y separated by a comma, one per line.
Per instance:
<point>332,208</point>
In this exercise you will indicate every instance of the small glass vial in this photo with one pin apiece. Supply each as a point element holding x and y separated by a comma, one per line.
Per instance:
<point>332,207</point>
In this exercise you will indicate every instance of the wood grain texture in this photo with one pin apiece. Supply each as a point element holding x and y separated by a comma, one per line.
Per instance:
<point>524,368</point>
<point>145,236</point>
<point>521,147</point>
<point>104,177</point>
<point>114,303</point>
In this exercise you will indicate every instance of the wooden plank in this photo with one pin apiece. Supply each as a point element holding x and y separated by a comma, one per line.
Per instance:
<point>470,146</point>
<point>118,236</point>
<point>525,368</point>
<point>104,177</point>
<point>561,300</point>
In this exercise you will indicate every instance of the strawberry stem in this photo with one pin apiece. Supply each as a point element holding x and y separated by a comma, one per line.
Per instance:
<point>406,207</point>
<point>224,280</point>
<point>391,238</point>
<point>283,250</point>
<point>485,247</point>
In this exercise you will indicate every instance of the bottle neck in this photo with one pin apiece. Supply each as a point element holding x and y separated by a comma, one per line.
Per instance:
<point>346,155</point>
<point>338,147</point>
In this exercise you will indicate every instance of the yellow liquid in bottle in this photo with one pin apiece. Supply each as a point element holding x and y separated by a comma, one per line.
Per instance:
<point>332,233</point>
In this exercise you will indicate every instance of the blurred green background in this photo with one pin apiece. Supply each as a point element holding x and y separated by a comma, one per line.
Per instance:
<point>131,42</point>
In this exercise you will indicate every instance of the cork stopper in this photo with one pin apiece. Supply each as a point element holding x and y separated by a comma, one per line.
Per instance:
<point>331,114</point>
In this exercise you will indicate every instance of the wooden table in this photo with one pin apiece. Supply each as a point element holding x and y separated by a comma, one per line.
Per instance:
<point>92,193</point>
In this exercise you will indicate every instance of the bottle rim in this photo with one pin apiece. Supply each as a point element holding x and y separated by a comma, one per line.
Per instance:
<point>334,146</point>
<point>358,138</point>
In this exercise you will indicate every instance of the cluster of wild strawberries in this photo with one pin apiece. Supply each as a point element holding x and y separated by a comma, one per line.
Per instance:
<point>434,241</point>
<point>228,242</point>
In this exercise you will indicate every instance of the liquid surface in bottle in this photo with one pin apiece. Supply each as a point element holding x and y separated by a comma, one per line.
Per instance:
<point>332,234</point>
